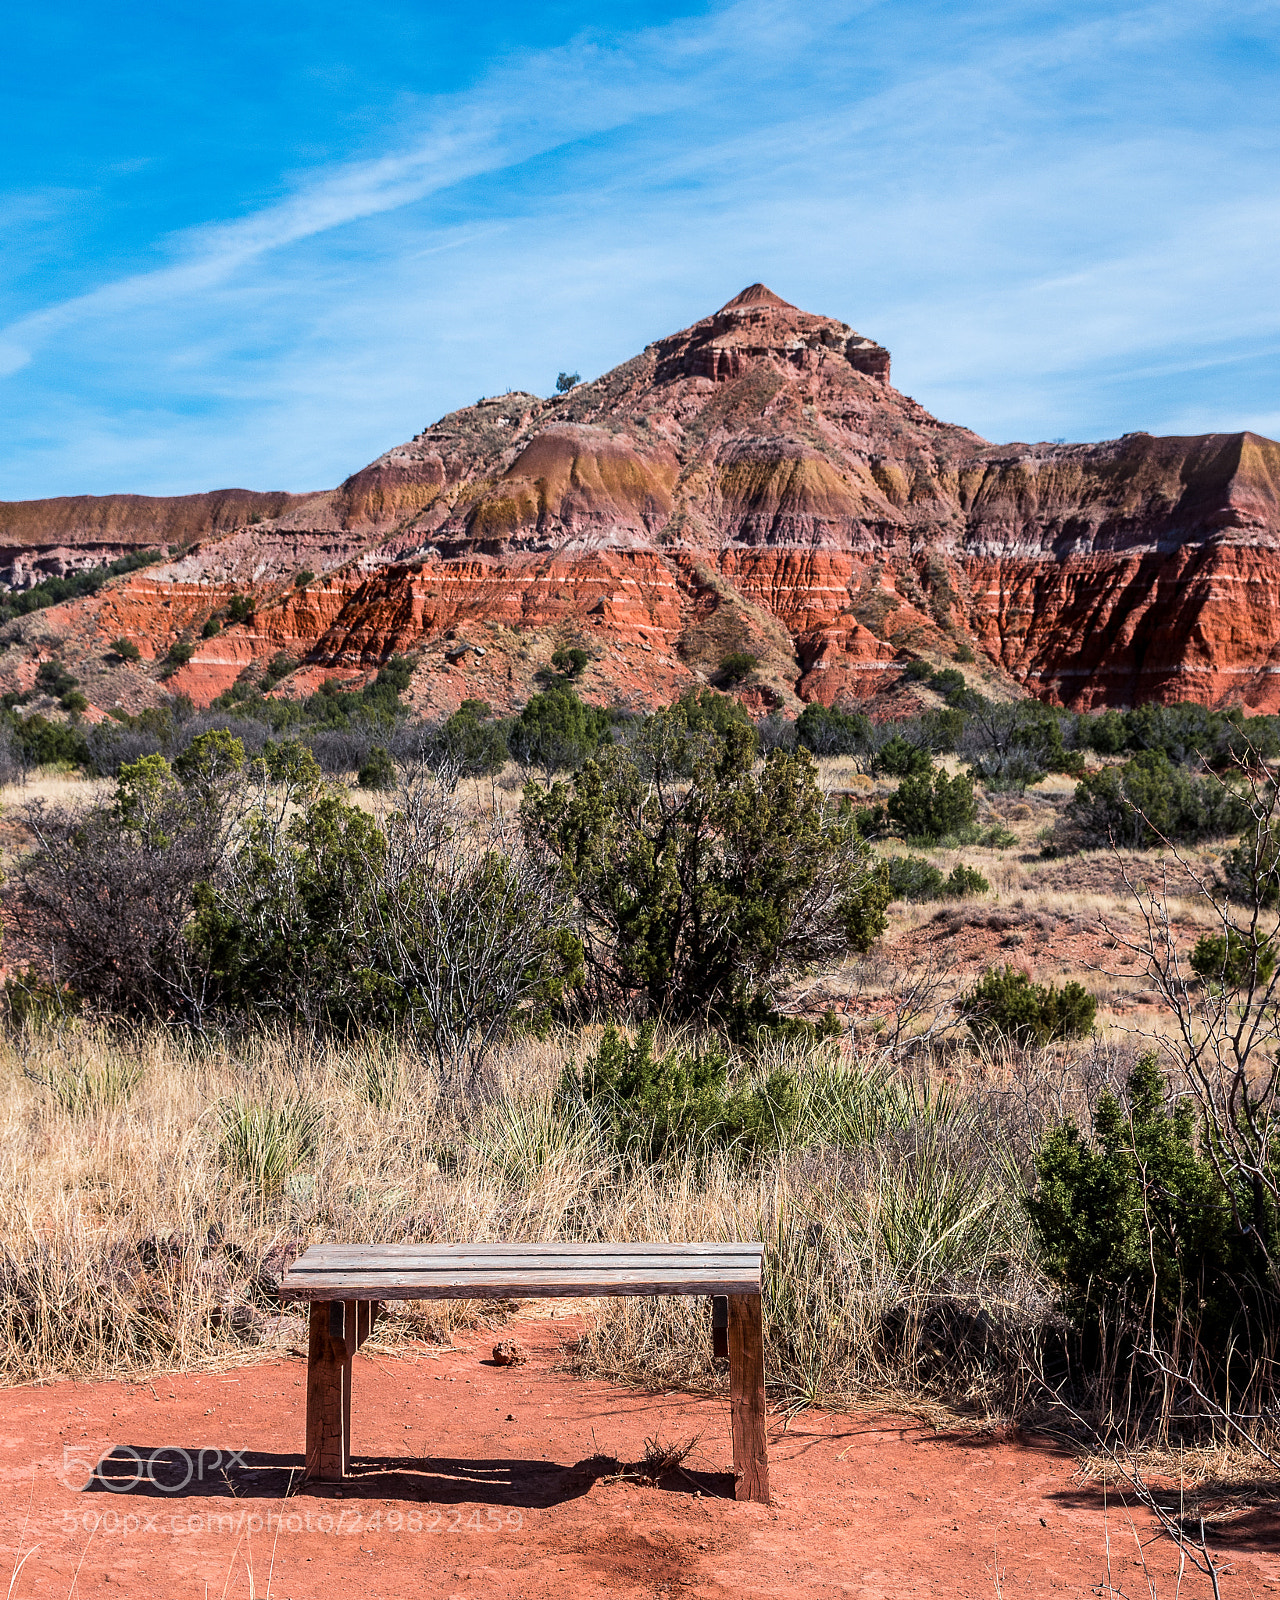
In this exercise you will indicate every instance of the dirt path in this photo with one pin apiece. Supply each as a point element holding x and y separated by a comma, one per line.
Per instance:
<point>477,1481</point>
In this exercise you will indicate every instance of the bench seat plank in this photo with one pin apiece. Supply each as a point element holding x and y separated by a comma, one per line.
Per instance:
<point>528,1285</point>
<point>455,1271</point>
<point>588,1265</point>
<point>553,1247</point>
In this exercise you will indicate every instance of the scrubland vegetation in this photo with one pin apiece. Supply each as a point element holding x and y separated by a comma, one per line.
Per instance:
<point>971,1018</point>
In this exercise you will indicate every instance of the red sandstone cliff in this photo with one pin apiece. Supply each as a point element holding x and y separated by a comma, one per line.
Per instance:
<point>753,482</point>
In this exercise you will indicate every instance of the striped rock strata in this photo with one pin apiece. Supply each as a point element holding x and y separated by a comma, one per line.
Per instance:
<point>751,483</point>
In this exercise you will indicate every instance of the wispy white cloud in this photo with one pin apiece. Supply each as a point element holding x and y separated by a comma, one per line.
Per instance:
<point>1033,209</point>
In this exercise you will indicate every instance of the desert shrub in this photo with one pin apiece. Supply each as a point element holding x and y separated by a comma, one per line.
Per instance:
<point>42,743</point>
<point>914,878</point>
<point>241,608</point>
<point>942,728</point>
<point>1106,733</point>
<point>931,809</point>
<point>278,668</point>
<point>303,578</point>
<point>54,679</point>
<point>251,734</point>
<point>285,928</point>
<point>947,681</point>
<point>378,770</point>
<point>737,665</point>
<point>377,707</point>
<point>899,758</point>
<point>158,721</point>
<point>125,649</point>
<point>1007,1005</point>
<point>1247,740</point>
<point>571,660</point>
<point>827,732</point>
<point>650,1108</point>
<point>1185,732</point>
<point>473,739</point>
<point>557,731</point>
<point>708,713</point>
<point>208,765</point>
<point>701,884</point>
<point>111,747</point>
<point>1137,1226</point>
<point>776,732</point>
<point>341,750</point>
<point>963,881</point>
<point>1251,872</point>
<point>1008,746</point>
<point>211,629</point>
<point>1149,800</point>
<point>107,891</point>
<point>74,701</point>
<point>1234,960</point>
<point>433,926</point>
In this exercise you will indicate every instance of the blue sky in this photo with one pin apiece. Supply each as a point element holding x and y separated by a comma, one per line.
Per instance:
<point>257,244</point>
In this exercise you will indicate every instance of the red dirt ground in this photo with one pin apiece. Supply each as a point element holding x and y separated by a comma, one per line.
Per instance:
<point>509,1504</point>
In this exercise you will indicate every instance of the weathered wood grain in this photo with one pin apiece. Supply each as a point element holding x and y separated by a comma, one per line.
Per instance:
<point>320,1261</point>
<point>424,1272</point>
<point>328,1393</point>
<point>479,1285</point>
<point>555,1247</point>
<point>747,1419</point>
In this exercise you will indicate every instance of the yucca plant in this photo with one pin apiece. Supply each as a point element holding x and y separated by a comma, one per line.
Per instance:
<point>263,1142</point>
<point>521,1138</point>
<point>89,1086</point>
<point>853,1103</point>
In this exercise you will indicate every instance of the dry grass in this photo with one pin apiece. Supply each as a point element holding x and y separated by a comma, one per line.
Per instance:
<point>57,788</point>
<point>130,1241</point>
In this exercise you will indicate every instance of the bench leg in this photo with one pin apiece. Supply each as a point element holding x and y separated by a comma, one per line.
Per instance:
<point>330,1346</point>
<point>720,1327</point>
<point>746,1398</point>
<point>367,1314</point>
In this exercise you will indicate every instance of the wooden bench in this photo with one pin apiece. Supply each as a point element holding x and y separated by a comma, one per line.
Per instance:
<point>348,1283</point>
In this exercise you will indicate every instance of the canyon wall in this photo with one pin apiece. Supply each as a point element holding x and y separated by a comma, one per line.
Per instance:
<point>752,483</point>
<point>50,538</point>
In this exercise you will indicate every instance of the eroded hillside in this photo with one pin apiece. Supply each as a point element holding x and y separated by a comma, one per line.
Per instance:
<point>753,483</point>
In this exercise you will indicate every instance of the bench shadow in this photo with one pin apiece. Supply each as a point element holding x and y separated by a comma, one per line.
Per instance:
<point>173,1473</point>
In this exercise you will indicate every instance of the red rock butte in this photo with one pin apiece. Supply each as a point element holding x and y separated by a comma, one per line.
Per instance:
<point>752,483</point>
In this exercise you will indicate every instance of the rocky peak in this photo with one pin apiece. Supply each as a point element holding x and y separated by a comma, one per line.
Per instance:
<point>758,328</point>
<point>757,294</point>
